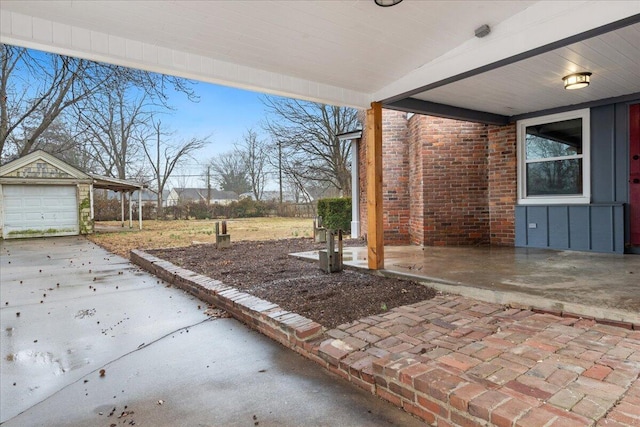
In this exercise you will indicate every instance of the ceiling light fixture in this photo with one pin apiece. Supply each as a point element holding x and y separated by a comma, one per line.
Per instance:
<point>576,80</point>
<point>387,3</point>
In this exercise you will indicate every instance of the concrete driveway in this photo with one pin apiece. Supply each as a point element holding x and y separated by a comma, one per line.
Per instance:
<point>71,310</point>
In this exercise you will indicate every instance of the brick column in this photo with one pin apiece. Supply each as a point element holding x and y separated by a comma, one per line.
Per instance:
<point>453,157</point>
<point>395,182</point>
<point>395,179</point>
<point>502,183</point>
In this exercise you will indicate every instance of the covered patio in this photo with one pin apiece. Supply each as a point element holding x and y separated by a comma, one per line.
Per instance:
<point>598,286</point>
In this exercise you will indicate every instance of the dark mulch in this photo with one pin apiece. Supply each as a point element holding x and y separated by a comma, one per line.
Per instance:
<point>265,269</point>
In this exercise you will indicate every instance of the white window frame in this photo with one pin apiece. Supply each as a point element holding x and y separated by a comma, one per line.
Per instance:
<point>585,197</point>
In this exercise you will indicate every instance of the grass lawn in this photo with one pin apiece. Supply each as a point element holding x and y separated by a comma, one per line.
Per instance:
<point>174,233</point>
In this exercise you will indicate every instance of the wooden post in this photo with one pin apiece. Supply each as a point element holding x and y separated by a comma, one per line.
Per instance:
<point>140,208</point>
<point>122,208</point>
<point>375,237</point>
<point>130,210</point>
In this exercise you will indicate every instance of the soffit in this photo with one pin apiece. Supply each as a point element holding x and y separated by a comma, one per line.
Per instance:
<point>346,52</point>
<point>535,84</point>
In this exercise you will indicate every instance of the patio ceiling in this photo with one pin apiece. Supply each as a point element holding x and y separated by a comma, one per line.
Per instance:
<point>417,56</point>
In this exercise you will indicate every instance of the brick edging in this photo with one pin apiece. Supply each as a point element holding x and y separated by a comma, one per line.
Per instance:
<point>289,329</point>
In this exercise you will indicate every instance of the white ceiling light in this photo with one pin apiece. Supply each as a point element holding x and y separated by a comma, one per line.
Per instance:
<point>576,80</point>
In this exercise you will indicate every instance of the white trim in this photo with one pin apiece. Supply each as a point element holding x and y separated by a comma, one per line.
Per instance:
<point>585,198</point>
<point>355,190</point>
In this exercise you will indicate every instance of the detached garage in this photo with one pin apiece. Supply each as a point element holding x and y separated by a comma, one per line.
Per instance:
<point>41,195</point>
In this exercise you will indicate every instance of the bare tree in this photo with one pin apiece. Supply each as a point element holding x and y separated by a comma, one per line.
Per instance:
<point>254,154</point>
<point>36,88</point>
<point>112,120</point>
<point>307,135</point>
<point>229,172</point>
<point>165,157</point>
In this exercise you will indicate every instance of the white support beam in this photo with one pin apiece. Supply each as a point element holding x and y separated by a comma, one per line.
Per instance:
<point>355,190</point>
<point>140,208</point>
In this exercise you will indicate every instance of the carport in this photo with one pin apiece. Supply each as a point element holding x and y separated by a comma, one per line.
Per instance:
<point>496,63</point>
<point>41,195</point>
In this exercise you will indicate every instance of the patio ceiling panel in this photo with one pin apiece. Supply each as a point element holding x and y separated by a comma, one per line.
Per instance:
<point>612,58</point>
<point>352,52</point>
<point>350,48</point>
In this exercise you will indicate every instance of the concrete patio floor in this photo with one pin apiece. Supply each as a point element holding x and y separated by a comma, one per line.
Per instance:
<point>592,285</point>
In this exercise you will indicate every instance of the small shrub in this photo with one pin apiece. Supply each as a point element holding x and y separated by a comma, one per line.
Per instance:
<point>335,213</point>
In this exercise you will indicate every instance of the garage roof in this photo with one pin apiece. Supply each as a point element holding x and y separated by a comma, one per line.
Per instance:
<point>416,56</point>
<point>32,168</point>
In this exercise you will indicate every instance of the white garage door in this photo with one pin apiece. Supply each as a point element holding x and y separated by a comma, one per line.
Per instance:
<point>39,210</point>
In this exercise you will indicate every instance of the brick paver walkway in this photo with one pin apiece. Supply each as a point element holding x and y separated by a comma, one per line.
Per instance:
<point>456,361</point>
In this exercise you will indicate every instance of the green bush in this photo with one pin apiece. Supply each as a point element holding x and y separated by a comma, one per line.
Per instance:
<point>335,213</point>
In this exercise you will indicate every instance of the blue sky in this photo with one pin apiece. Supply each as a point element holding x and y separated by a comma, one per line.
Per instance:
<point>225,113</point>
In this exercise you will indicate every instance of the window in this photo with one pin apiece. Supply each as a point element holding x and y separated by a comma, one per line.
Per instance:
<point>553,159</point>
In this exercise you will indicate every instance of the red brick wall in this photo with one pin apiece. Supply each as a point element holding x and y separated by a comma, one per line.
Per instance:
<point>502,183</point>
<point>362,179</point>
<point>453,159</point>
<point>445,182</point>
<point>417,133</point>
<point>395,179</point>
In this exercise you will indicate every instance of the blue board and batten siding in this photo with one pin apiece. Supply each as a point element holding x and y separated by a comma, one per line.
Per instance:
<point>599,226</point>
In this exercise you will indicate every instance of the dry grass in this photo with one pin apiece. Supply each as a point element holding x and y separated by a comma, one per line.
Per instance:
<point>167,234</point>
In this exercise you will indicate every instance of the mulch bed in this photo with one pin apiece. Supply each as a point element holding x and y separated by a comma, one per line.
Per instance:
<point>264,269</point>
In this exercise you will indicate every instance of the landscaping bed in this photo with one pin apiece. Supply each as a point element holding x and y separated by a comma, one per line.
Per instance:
<point>266,270</point>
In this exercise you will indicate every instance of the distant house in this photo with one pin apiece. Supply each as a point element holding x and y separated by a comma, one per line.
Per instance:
<point>188,195</point>
<point>150,197</point>
<point>274,196</point>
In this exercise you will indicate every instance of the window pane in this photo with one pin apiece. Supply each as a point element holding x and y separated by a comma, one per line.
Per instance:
<point>556,177</point>
<point>555,139</point>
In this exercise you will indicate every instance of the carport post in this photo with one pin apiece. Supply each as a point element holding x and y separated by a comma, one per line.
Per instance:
<point>122,208</point>
<point>130,211</point>
<point>140,208</point>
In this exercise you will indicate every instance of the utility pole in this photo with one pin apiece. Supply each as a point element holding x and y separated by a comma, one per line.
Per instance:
<point>158,177</point>
<point>280,167</point>
<point>208,184</point>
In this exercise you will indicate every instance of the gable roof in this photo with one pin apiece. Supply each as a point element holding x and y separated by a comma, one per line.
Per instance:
<point>42,156</point>
<point>72,173</point>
